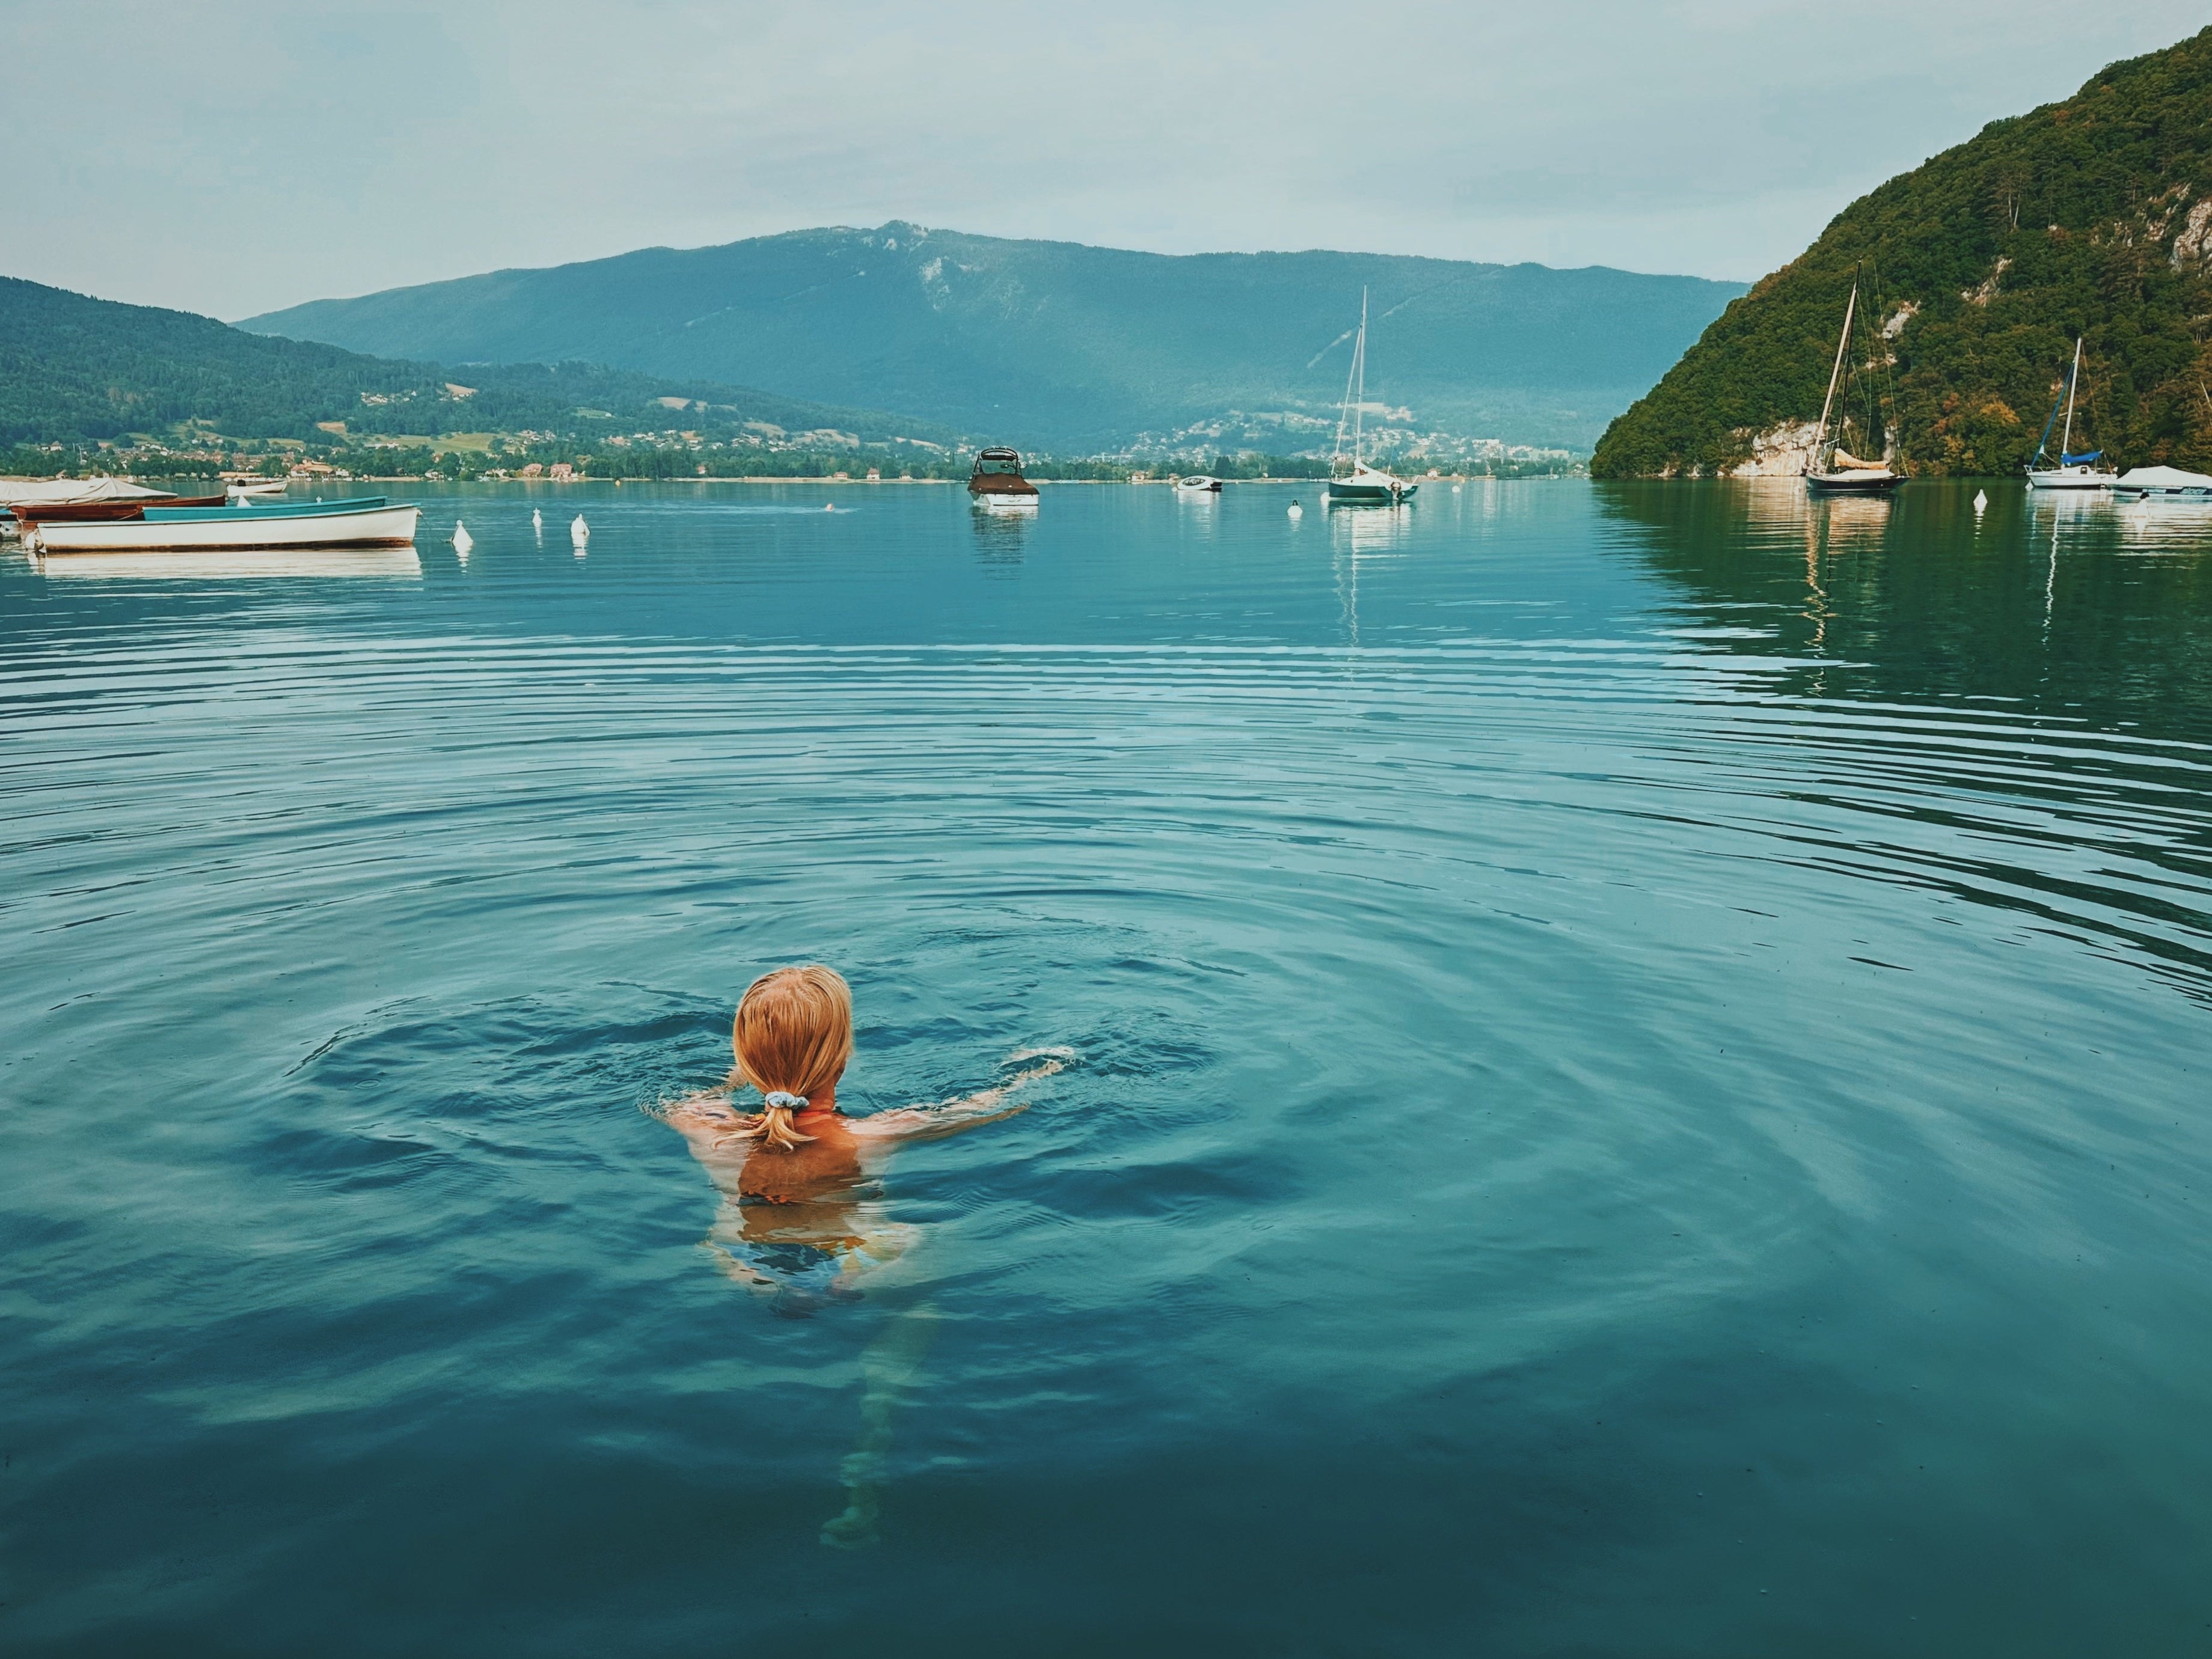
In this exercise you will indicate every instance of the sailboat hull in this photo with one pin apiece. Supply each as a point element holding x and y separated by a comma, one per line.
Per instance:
<point>2070,478</point>
<point>1344,494</point>
<point>1852,483</point>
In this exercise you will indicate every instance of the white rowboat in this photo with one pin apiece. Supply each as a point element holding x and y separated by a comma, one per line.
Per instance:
<point>228,528</point>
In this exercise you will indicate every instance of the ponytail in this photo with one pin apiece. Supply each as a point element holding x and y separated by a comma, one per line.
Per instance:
<point>773,1125</point>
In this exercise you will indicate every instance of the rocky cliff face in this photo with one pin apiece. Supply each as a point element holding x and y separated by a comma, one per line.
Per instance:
<point>2091,218</point>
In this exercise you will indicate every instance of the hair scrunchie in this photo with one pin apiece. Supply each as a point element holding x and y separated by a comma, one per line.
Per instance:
<point>788,1101</point>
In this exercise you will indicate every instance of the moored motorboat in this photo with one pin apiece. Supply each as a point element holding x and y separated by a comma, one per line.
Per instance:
<point>2161,484</point>
<point>997,479</point>
<point>1831,469</point>
<point>1363,486</point>
<point>364,522</point>
<point>1198,483</point>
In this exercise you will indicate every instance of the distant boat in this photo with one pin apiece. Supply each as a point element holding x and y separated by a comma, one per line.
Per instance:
<point>55,512</point>
<point>366,521</point>
<point>1363,486</point>
<point>2073,472</point>
<point>997,479</point>
<point>1198,483</point>
<point>61,491</point>
<point>2162,484</point>
<point>100,497</point>
<point>1831,469</point>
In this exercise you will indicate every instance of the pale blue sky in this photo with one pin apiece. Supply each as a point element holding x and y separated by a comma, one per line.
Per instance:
<point>237,157</point>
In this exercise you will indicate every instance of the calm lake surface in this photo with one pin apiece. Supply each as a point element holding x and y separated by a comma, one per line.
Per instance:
<point>1642,1090</point>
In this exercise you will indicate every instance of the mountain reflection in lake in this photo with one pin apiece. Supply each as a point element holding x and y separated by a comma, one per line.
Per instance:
<point>1638,1081</point>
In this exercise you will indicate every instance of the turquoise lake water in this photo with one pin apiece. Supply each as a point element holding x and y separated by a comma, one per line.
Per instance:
<point>1642,1081</point>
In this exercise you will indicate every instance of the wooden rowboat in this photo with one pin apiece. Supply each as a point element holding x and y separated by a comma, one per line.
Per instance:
<point>102,512</point>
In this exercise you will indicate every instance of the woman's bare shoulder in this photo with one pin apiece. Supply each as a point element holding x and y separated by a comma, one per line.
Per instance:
<point>702,1117</point>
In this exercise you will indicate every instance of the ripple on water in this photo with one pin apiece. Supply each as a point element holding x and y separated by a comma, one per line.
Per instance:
<point>1639,1014</point>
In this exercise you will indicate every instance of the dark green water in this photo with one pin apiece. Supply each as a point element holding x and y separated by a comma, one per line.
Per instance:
<point>1642,1084</point>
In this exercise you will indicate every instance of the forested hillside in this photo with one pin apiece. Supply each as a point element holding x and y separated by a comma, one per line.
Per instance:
<point>1070,347</point>
<point>2091,217</point>
<point>74,368</point>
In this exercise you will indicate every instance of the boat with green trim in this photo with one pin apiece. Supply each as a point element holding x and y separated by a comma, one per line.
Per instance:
<point>369,521</point>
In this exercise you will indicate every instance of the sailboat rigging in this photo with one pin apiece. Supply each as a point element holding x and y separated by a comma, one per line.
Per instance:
<point>2073,472</point>
<point>1364,486</point>
<point>1831,469</point>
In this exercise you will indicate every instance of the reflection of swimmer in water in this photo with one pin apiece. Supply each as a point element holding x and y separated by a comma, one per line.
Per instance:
<point>797,1223</point>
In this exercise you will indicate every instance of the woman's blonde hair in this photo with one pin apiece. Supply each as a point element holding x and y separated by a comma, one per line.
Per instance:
<point>793,1035</point>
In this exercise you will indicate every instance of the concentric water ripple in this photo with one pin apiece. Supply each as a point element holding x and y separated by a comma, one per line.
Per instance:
<point>1640,1083</point>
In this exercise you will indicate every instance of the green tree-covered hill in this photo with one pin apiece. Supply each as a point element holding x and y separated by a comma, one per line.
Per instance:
<point>74,369</point>
<point>2091,217</point>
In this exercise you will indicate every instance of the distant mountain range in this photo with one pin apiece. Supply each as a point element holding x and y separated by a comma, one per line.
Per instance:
<point>74,368</point>
<point>2090,219</point>
<point>1060,346</point>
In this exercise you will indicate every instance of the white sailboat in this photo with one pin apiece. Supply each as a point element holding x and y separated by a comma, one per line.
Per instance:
<point>1831,469</point>
<point>1364,486</point>
<point>2073,472</point>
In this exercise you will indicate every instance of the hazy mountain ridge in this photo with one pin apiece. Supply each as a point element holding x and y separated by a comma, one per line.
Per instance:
<point>76,368</point>
<point>1062,345</point>
<point>2090,217</point>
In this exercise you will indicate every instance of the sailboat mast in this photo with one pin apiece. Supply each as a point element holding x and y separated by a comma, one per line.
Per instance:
<point>1344,410</point>
<point>1359,359</point>
<point>2073,380</point>
<point>1836,373</point>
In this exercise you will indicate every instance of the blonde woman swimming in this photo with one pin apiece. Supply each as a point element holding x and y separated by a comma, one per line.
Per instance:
<point>796,1222</point>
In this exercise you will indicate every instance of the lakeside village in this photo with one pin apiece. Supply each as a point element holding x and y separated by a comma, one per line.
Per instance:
<point>760,451</point>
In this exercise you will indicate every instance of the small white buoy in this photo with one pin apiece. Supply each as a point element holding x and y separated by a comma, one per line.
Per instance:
<point>580,532</point>
<point>537,520</point>
<point>1981,501</point>
<point>828,506</point>
<point>462,540</point>
<point>1296,511</point>
<point>1455,489</point>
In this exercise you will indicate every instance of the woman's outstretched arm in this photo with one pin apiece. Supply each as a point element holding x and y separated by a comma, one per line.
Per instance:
<point>954,1116</point>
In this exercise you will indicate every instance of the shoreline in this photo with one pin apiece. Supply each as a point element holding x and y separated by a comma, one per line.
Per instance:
<point>863,483</point>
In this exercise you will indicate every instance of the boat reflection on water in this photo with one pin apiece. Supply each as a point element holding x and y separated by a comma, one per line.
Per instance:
<point>2162,527</point>
<point>389,563</point>
<point>1000,531</point>
<point>1911,603</point>
<point>1849,520</point>
<point>1373,534</point>
<point>1783,507</point>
